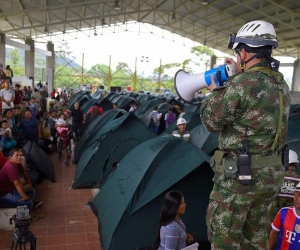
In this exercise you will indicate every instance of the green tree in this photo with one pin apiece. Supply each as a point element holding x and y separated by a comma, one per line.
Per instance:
<point>15,58</point>
<point>40,66</point>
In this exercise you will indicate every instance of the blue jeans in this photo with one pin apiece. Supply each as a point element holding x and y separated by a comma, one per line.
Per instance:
<point>154,130</point>
<point>14,197</point>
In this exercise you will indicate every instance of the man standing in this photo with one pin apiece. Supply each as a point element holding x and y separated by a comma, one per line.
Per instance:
<point>95,111</point>
<point>9,74</point>
<point>12,190</point>
<point>18,95</point>
<point>154,120</point>
<point>251,113</point>
<point>181,132</point>
<point>7,96</point>
<point>285,232</point>
<point>78,118</point>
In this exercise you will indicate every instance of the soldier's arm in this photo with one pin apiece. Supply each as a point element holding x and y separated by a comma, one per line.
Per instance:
<point>273,239</point>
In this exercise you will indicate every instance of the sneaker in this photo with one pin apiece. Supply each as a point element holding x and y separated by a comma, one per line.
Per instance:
<point>36,204</point>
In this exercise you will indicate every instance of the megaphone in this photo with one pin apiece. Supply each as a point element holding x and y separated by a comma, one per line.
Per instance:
<point>187,85</point>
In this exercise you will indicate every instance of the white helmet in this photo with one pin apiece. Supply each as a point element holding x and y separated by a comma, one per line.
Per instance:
<point>181,121</point>
<point>254,34</point>
<point>293,157</point>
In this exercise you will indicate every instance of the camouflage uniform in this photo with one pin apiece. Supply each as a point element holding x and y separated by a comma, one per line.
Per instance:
<point>238,216</point>
<point>285,197</point>
<point>186,135</point>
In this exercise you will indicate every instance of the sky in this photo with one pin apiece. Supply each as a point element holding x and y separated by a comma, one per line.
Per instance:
<point>139,42</point>
<point>143,43</point>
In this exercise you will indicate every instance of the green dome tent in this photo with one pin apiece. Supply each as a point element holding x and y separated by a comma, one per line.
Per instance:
<point>111,143</point>
<point>82,97</point>
<point>88,136</point>
<point>203,139</point>
<point>129,203</point>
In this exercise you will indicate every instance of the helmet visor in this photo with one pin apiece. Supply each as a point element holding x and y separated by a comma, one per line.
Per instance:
<point>231,40</point>
<point>256,41</point>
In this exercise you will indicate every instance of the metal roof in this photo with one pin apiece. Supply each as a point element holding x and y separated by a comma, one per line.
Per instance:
<point>207,22</point>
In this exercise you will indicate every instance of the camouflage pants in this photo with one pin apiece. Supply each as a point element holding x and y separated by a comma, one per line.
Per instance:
<point>239,221</point>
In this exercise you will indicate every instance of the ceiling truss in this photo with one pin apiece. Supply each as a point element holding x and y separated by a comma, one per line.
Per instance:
<point>207,22</point>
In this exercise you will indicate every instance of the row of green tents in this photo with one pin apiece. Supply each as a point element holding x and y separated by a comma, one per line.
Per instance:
<point>128,204</point>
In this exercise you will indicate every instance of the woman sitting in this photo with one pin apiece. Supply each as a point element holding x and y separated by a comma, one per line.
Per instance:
<point>172,232</point>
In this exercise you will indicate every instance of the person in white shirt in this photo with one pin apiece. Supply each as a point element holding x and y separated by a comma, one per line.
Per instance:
<point>7,96</point>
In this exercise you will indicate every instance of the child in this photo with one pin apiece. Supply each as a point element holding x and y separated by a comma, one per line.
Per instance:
<point>33,107</point>
<point>63,138</point>
<point>6,139</point>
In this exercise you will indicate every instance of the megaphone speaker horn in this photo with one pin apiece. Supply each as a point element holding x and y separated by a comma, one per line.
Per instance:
<point>186,85</point>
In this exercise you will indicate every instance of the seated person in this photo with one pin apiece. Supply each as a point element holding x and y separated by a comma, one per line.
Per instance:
<point>29,127</point>
<point>181,132</point>
<point>12,191</point>
<point>7,142</point>
<point>63,138</point>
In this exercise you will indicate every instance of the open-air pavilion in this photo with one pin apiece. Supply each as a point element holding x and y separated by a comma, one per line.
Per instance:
<point>207,22</point>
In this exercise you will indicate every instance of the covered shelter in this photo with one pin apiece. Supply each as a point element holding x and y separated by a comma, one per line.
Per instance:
<point>208,22</point>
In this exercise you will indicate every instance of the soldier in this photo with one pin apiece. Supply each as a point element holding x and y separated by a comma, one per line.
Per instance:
<point>251,113</point>
<point>285,197</point>
<point>181,132</point>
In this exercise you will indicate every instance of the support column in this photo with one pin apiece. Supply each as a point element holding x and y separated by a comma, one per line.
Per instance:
<point>29,60</point>
<point>213,61</point>
<point>50,65</point>
<point>296,77</point>
<point>2,49</point>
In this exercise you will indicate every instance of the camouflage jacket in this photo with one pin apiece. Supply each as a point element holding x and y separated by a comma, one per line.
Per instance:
<point>248,104</point>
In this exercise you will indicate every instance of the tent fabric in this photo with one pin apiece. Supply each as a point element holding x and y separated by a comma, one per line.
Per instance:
<point>98,94</point>
<point>111,143</point>
<point>93,128</point>
<point>39,160</point>
<point>81,97</point>
<point>110,95</point>
<point>203,139</point>
<point>146,173</point>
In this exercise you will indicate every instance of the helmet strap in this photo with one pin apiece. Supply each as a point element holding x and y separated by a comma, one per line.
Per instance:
<point>243,63</point>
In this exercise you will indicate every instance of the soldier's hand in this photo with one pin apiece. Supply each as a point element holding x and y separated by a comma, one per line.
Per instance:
<point>213,84</point>
<point>233,63</point>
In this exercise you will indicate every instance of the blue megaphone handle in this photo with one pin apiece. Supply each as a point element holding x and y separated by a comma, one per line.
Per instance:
<point>220,76</point>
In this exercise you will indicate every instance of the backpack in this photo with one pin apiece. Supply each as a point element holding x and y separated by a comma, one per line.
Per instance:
<point>94,113</point>
<point>171,118</point>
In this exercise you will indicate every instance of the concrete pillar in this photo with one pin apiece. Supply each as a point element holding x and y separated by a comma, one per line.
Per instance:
<point>213,61</point>
<point>296,76</point>
<point>2,49</point>
<point>50,65</point>
<point>29,60</point>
